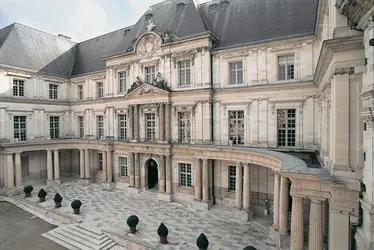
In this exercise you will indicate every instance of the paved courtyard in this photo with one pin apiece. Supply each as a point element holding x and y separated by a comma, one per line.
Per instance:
<point>21,230</point>
<point>109,210</point>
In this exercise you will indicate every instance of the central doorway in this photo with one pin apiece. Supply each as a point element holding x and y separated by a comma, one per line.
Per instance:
<point>152,174</point>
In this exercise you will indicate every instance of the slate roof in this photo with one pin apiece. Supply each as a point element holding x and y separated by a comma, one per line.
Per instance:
<point>233,22</point>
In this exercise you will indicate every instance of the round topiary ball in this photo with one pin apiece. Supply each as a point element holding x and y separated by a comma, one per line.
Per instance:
<point>57,198</point>
<point>76,204</point>
<point>132,221</point>
<point>202,242</point>
<point>28,189</point>
<point>42,193</point>
<point>162,230</point>
<point>249,248</point>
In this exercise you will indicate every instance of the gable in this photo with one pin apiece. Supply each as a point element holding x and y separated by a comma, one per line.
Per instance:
<point>142,89</point>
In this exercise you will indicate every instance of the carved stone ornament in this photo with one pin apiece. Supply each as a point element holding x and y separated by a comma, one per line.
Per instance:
<point>343,71</point>
<point>160,82</point>
<point>148,45</point>
<point>132,45</point>
<point>168,37</point>
<point>136,84</point>
<point>148,91</point>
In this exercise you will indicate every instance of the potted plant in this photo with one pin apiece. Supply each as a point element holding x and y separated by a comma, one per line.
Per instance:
<point>27,190</point>
<point>132,222</point>
<point>42,194</point>
<point>163,232</point>
<point>249,248</point>
<point>202,242</point>
<point>76,205</point>
<point>57,199</point>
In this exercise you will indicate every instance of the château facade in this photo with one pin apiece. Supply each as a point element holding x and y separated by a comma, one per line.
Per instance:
<point>272,98</point>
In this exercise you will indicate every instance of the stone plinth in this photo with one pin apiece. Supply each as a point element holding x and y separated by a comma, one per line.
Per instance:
<point>133,190</point>
<point>283,241</point>
<point>108,185</point>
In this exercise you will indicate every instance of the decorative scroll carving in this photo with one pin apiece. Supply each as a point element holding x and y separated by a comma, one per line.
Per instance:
<point>131,48</point>
<point>168,37</point>
<point>160,82</point>
<point>343,71</point>
<point>136,84</point>
<point>148,45</point>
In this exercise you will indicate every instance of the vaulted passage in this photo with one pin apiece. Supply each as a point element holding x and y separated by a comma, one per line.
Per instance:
<point>152,173</point>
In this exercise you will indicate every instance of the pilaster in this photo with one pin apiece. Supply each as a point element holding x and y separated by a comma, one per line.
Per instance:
<point>18,169</point>
<point>205,181</point>
<point>197,179</point>
<point>238,186</point>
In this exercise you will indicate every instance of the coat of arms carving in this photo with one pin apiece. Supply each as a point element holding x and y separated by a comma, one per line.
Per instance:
<point>148,45</point>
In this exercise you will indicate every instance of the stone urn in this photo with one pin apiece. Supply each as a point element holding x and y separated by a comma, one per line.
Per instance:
<point>57,199</point>
<point>163,232</point>
<point>27,190</point>
<point>132,222</point>
<point>202,242</point>
<point>76,205</point>
<point>42,194</point>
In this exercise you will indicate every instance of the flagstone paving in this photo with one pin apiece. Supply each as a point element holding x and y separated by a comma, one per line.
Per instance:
<point>109,210</point>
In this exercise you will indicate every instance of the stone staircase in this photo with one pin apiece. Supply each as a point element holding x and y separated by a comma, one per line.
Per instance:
<point>75,237</point>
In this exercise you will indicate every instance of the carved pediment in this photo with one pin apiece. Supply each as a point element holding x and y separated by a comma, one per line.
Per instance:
<point>146,89</point>
<point>149,44</point>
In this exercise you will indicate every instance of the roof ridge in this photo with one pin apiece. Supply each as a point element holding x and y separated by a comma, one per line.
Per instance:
<point>127,27</point>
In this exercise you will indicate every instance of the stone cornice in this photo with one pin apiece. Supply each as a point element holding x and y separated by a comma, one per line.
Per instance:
<point>355,10</point>
<point>326,56</point>
<point>9,99</point>
<point>29,73</point>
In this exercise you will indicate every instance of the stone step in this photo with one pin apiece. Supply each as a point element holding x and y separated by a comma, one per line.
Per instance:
<point>77,236</point>
<point>63,243</point>
<point>86,232</point>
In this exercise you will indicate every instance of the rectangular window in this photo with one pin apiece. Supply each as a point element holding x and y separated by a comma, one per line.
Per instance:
<point>232,178</point>
<point>286,67</point>
<point>80,92</point>
<point>185,175</point>
<point>100,126</point>
<point>81,126</point>
<point>19,124</point>
<point>150,120</point>
<point>100,161</point>
<point>184,73</point>
<point>122,161</point>
<point>122,127</point>
<point>53,91</point>
<point>18,86</point>
<point>286,127</point>
<point>236,129</point>
<point>100,90</point>
<point>122,82</point>
<point>236,72</point>
<point>365,124</point>
<point>184,126</point>
<point>150,74</point>
<point>54,127</point>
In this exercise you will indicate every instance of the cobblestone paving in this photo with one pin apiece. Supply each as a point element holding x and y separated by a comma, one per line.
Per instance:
<point>109,210</point>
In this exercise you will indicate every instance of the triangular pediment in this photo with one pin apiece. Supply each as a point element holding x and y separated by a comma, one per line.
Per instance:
<point>146,89</point>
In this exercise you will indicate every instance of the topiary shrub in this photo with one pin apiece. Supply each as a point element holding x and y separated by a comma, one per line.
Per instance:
<point>42,194</point>
<point>132,222</point>
<point>163,232</point>
<point>76,205</point>
<point>249,248</point>
<point>27,190</point>
<point>57,199</point>
<point>202,242</point>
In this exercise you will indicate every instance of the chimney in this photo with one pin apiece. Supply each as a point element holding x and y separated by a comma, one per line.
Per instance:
<point>64,37</point>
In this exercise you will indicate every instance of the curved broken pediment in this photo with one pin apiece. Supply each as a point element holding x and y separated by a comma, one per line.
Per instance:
<point>149,44</point>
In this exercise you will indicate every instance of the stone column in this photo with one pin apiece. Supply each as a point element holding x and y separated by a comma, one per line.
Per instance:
<point>18,169</point>
<point>10,171</point>
<point>136,122</point>
<point>131,124</point>
<point>297,224</point>
<point>238,186</point>
<point>205,180</point>
<point>161,177</point>
<point>167,122</point>
<point>87,163</point>
<point>81,163</point>
<point>56,164</point>
<point>105,167</point>
<point>316,224</point>
<point>197,180</point>
<point>339,229</point>
<point>247,188</point>
<point>276,201</point>
<point>132,170</point>
<point>168,174</point>
<point>109,166</point>
<point>283,206</point>
<point>49,165</point>
<point>137,171</point>
<point>162,122</point>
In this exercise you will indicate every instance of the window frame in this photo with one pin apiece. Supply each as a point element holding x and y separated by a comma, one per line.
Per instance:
<point>237,119</point>
<point>53,91</point>
<point>150,130</point>
<point>81,126</point>
<point>232,178</point>
<point>184,132</point>
<point>185,177</point>
<point>122,81</point>
<point>184,73</point>
<point>124,127</point>
<point>151,75</point>
<point>100,89</point>
<point>54,131</point>
<point>20,132</point>
<point>123,166</point>
<point>285,77</point>
<point>100,161</point>
<point>18,87</point>
<point>236,70</point>
<point>288,128</point>
<point>80,92</point>
<point>99,126</point>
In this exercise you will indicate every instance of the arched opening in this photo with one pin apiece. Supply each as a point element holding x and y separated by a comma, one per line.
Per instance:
<point>152,173</point>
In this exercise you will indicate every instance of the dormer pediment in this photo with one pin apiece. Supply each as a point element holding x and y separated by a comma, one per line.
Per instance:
<point>142,89</point>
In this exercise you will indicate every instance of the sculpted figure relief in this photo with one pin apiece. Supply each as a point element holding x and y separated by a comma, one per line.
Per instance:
<point>148,45</point>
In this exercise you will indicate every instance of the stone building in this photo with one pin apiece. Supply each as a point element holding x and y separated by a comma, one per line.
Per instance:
<point>271,98</point>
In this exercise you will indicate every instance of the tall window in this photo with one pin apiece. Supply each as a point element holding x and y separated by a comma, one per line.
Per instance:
<point>236,129</point>
<point>54,127</point>
<point>80,92</point>
<point>122,82</point>
<point>122,161</point>
<point>184,73</point>
<point>53,91</point>
<point>286,127</point>
<point>185,174</point>
<point>19,124</point>
<point>150,119</point>
<point>232,178</point>
<point>100,89</point>
<point>18,88</point>
<point>236,72</point>
<point>286,67</point>
<point>184,126</point>
<point>150,74</point>
<point>100,161</point>
<point>81,126</point>
<point>100,126</point>
<point>122,127</point>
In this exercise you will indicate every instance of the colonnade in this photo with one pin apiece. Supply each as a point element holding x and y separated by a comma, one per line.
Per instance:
<point>12,171</point>
<point>85,169</point>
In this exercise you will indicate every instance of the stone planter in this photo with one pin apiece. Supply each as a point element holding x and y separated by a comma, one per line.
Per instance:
<point>163,239</point>
<point>76,210</point>
<point>132,230</point>
<point>57,204</point>
<point>27,195</point>
<point>41,199</point>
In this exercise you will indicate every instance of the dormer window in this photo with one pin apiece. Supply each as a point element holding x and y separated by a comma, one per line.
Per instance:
<point>180,6</point>
<point>223,5</point>
<point>150,74</point>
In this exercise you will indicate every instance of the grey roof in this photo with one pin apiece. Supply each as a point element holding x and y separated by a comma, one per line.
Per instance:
<point>255,21</point>
<point>236,23</point>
